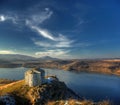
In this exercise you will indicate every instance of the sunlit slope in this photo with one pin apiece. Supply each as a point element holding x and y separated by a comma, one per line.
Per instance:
<point>56,93</point>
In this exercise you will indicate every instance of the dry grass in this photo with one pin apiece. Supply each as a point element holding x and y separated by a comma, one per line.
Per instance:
<point>18,90</point>
<point>21,92</point>
<point>15,87</point>
<point>76,102</point>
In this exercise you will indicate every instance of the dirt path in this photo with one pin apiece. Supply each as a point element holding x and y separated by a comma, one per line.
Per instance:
<point>10,84</point>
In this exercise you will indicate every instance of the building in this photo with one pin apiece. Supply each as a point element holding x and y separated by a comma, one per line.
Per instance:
<point>34,77</point>
<point>52,78</point>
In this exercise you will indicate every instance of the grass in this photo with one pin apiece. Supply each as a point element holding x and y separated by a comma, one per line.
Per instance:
<point>18,90</point>
<point>21,95</point>
<point>17,87</point>
<point>75,102</point>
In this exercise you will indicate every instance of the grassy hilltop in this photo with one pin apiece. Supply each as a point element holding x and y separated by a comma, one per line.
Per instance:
<point>55,93</point>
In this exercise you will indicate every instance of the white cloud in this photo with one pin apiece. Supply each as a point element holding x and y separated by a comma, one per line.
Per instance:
<point>6,52</point>
<point>43,33</point>
<point>43,44</point>
<point>34,22</point>
<point>2,18</point>
<point>56,42</point>
<point>39,18</point>
<point>63,41</point>
<point>13,19</point>
<point>33,19</point>
<point>59,53</point>
<point>7,17</point>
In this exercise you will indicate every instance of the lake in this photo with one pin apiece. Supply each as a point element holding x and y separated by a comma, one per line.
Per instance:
<point>90,86</point>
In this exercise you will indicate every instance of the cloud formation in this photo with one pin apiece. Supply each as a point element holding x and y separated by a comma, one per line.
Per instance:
<point>2,18</point>
<point>43,33</point>
<point>39,17</point>
<point>58,42</point>
<point>51,40</point>
<point>55,41</point>
<point>7,17</point>
<point>6,52</point>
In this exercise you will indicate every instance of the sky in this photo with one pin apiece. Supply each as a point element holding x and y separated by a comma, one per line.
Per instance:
<point>60,28</point>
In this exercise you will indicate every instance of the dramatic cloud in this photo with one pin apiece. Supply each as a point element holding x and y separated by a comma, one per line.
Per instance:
<point>55,41</point>
<point>51,40</point>
<point>6,52</point>
<point>34,21</point>
<point>54,24</point>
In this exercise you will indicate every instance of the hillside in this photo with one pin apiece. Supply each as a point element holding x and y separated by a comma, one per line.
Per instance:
<point>17,57</point>
<point>17,60</point>
<point>94,66</point>
<point>40,94</point>
<point>56,93</point>
<point>106,66</point>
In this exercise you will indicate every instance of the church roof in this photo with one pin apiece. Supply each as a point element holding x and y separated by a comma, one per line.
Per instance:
<point>35,70</point>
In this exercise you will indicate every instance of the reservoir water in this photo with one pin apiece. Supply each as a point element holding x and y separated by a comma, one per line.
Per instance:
<point>95,87</point>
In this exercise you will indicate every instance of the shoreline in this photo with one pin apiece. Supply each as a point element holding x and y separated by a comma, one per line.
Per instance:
<point>74,71</point>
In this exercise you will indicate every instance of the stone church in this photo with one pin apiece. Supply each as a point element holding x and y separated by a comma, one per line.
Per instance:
<point>34,77</point>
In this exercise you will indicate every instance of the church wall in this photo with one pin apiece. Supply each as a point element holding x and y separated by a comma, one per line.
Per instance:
<point>33,78</point>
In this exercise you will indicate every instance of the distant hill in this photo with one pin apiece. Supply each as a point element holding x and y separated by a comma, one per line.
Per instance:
<point>18,57</point>
<point>91,66</point>
<point>15,57</point>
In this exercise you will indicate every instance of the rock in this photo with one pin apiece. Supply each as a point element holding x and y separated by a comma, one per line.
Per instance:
<point>7,100</point>
<point>55,91</point>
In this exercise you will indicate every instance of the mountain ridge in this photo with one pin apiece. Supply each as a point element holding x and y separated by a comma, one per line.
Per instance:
<point>20,57</point>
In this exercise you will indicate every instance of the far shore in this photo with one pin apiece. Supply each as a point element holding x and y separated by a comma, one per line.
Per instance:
<point>111,67</point>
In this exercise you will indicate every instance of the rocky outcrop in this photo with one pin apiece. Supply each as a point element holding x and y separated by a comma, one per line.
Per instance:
<point>51,92</point>
<point>39,95</point>
<point>7,100</point>
<point>54,93</point>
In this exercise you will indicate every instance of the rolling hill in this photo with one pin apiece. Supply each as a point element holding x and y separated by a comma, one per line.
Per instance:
<point>18,57</point>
